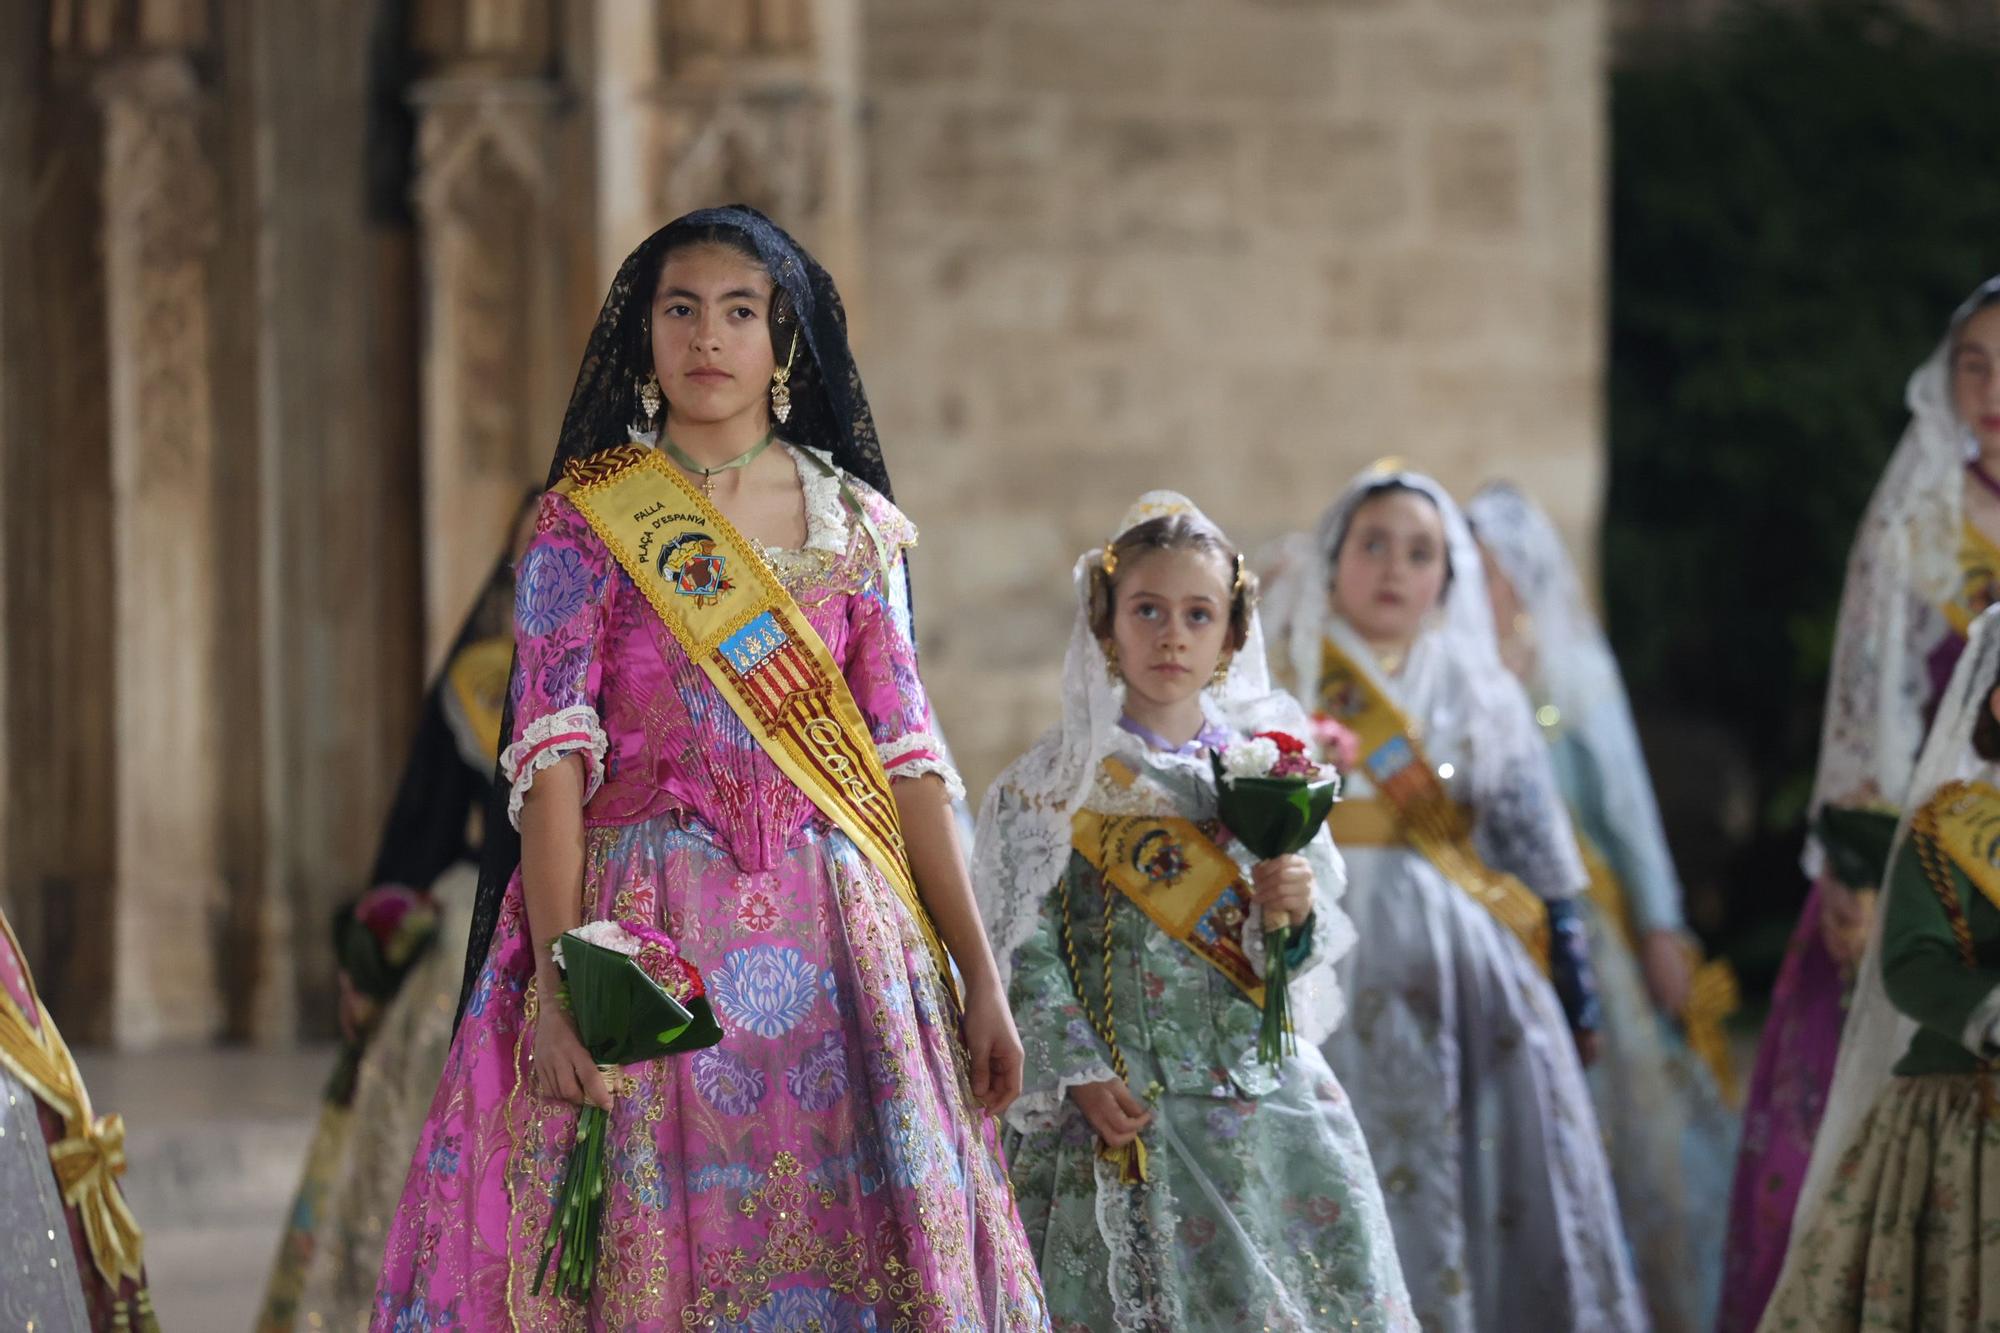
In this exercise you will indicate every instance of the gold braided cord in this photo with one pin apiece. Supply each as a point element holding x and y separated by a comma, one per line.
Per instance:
<point>1130,1159</point>
<point>1102,1021</point>
<point>1937,869</point>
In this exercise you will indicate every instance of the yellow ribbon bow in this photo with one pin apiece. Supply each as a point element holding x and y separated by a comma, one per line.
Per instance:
<point>90,1156</point>
<point>88,1164</point>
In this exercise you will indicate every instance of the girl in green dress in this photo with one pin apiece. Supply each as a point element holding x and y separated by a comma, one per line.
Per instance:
<point>1899,1221</point>
<point>1168,1178</point>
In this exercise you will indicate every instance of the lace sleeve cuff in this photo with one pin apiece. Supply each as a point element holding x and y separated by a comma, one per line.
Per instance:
<point>916,754</point>
<point>1982,1029</point>
<point>546,741</point>
<point>1038,1108</point>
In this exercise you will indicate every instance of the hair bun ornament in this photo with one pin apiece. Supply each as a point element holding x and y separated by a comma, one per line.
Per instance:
<point>1152,505</point>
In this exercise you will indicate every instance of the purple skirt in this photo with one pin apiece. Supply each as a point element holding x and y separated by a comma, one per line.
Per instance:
<point>1795,1063</point>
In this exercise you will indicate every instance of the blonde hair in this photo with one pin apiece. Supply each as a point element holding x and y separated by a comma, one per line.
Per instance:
<point>1171,532</point>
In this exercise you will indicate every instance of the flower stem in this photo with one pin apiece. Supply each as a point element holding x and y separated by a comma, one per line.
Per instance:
<point>1275,1039</point>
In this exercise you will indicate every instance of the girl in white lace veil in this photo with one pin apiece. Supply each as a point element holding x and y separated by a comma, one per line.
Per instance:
<point>1886,1154</point>
<point>1458,1053</point>
<point>1215,1236</point>
<point>1903,567</point>
<point>1022,840</point>
<point>1456,659</point>
<point>1575,675</point>
<point>1917,574</point>
<point>1671,1138</point>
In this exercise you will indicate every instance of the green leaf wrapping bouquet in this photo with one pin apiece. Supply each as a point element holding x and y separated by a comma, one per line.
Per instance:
<point>1856,842</point>
<point>634,998</point>
<point>1274,798</point>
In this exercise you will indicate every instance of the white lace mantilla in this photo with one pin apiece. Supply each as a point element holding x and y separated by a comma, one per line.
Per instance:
<point>1576,674</point>
<point>1903,565</point>
<point>580,732</point>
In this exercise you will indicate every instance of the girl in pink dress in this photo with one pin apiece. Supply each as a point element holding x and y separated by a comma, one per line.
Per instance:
<point>832,1163</point>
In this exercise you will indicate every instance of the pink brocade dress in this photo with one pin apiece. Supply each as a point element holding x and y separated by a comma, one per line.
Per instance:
<point>825,1166</point>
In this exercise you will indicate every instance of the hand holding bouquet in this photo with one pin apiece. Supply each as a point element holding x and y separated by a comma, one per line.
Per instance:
<point>1274,798</point>
<point>634,998</point>
<point>376,941</point>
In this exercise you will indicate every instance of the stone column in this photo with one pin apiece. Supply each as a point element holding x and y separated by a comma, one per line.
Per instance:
<point>159,234</point>
<point>753,101</point>
<point>492,266</point>
<point>18,39</point>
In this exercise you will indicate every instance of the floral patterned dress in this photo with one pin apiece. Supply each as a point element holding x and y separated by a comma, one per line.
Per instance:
<point>1907,1234</point>
<point>1261,1210</point>
<point>825,1165</point>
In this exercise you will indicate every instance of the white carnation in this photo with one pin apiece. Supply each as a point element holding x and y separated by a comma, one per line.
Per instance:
<point>1253,758</point>
<point>604,934</point>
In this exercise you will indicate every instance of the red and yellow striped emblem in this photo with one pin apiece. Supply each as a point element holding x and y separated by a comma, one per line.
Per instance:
<point>749,636</point>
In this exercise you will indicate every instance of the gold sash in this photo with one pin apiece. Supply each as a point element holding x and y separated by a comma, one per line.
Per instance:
<point>91,1154</point>
<point>1979,579</point>
<point>1425,815</point>
<point>1963,819</point>
<point>476,693</point>
<point>729,612</point>
<point>1176,874</point>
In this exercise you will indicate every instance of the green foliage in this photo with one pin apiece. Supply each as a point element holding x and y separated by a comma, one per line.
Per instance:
<point>1799,198</point>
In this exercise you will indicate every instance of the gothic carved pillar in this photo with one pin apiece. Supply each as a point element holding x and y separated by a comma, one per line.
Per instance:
<point>756,102</point>
<point>159,209</point>
<point>492,270</point>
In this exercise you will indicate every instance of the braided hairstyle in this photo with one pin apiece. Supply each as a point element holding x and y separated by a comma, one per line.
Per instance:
<point>1172,532</point>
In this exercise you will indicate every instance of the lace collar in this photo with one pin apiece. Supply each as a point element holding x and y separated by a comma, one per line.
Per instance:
<point>826,512</point>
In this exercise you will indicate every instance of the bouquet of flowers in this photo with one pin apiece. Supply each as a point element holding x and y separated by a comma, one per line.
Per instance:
<point>377,940</point>
<point>1274,798</point>
<point>634,998</point>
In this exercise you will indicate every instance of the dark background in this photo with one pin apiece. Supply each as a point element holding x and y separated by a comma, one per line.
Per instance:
<point>1800,197</point>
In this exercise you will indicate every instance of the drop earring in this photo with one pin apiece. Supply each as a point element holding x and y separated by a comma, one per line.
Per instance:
<point>649,405</point>
<point>781,384</point>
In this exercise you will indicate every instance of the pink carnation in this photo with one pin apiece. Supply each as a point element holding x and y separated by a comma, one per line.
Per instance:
<point>660,958</point>
<point>398,917</point>
<point>1340,746</point>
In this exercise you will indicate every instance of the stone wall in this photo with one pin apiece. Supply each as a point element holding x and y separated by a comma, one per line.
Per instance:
<point>1091,246</point>
<point>1236,248</point>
